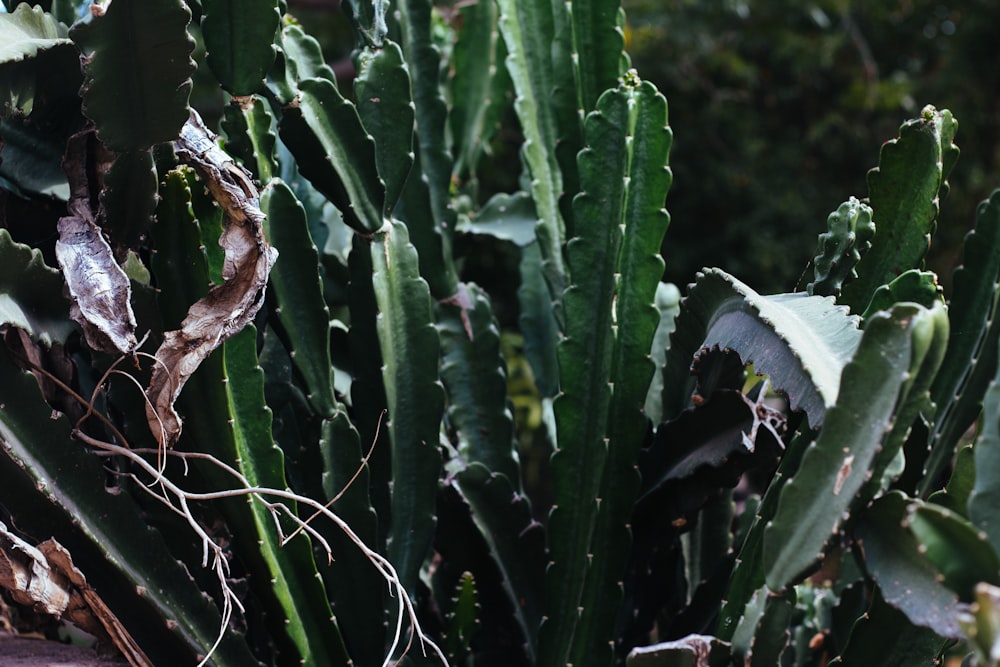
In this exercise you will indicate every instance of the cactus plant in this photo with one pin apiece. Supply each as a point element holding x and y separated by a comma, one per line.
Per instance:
<point>246,384</point>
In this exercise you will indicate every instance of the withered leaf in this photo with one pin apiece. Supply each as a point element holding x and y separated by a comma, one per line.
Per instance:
<point>100,290</point>
<point>90,611</point>
<point>228,307</point>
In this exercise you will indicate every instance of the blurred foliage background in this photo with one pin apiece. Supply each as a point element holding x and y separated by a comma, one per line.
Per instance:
<point>778,108</point>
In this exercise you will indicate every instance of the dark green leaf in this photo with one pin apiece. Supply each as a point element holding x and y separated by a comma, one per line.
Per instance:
<point>382,91</point>
<point>239,40</point>
<point>336,154</point>
<point>31,294</point>
<point>410,353</point>
<point>137,59</point>
<point>298,292</point>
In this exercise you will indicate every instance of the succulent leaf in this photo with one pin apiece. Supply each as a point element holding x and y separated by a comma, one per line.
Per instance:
<point>132,43</point>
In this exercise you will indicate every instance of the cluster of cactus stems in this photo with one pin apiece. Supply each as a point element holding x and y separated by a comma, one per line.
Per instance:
<point>270,313</point>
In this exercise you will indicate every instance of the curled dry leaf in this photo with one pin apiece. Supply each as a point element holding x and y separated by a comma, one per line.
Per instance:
<point>228,307</point>
<point>90,609</point>
<point>45,579</point>
<point>100,290</point>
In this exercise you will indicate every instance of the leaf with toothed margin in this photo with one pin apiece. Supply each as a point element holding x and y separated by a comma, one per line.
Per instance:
<point>351,580</point>
<point>598,47</point>
<point>31,294</point>
<point>324,133</point>
<point>423,61</point>
<point>528,30</point>
<point>884,636</point>
<point>368,393</point>
<point>382,91</point>
<point>475,379</point>
<point>306,616</point>
<point>474,115</point>
<point>298,293</point>
<point>517,542</point>
<point>971,360</point>
<point>903,192</point>
<point>907,579</point>
<point>896,351</point>
<point>415,400</point>
<point>801,342</point>
<point>124,49</point>
<point>604,365</point>
<point>224,409</point>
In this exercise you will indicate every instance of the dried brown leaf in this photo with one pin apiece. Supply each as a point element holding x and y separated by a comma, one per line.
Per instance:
<point>89,611</point>
<point>99,288</point>
<point>27,576</point>
<point>228,307</point>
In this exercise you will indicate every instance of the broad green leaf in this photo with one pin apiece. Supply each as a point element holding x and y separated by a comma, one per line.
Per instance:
<point>907,579</point>
<point>506,217</point>
<point>239,41</point>
<point>30,161</point>
<point>34,52</point>
<point>137,60</point>
<point>884,636</point>
<point>801,342</point>
<point>27,31</point>
<point>31,294</point>
<point>959,551</point>
<point>890,357</point>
